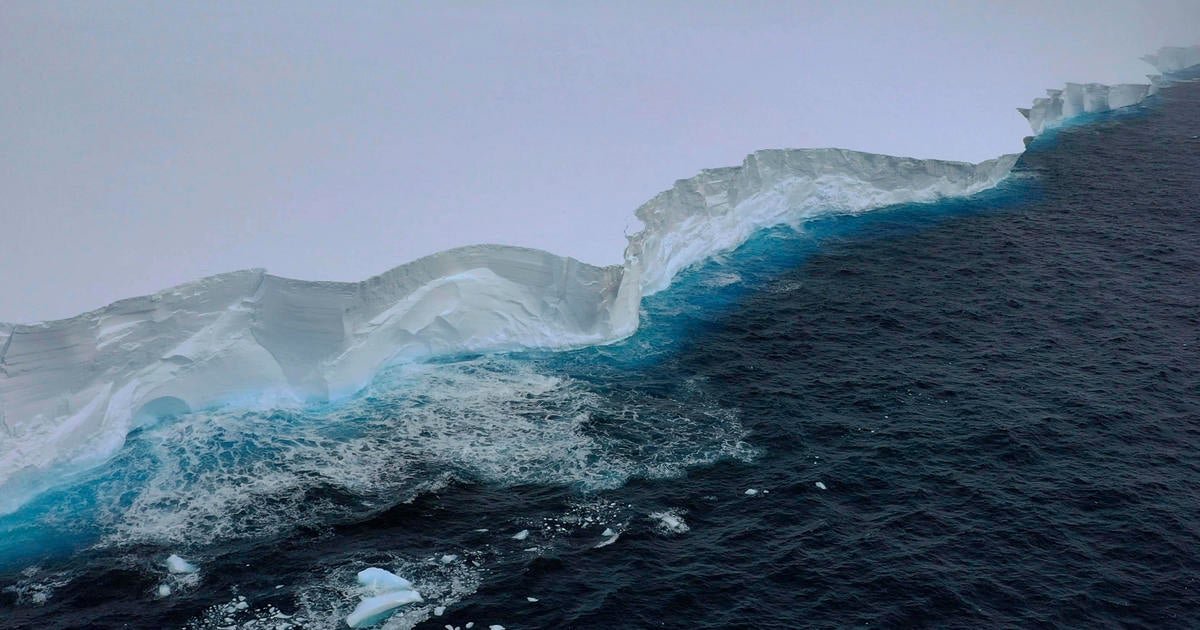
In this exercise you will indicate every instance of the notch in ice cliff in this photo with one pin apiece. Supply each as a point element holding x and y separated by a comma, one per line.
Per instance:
<point>71,390</point>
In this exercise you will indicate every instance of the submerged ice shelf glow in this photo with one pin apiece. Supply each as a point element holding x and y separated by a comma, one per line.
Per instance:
<point>72,390</point>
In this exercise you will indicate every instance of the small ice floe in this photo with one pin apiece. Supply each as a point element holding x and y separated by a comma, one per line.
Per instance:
<point>448,558</point>
<point>521,535</point>
<point>751,492</point>
<point>373,610</point>
<point>495,626</point>
<point>470,624</point>
<point>670,522</point>
<point>821,485</point>
<point>386,592</point>
<point>378,581</point>
<point>164,590</point>
<point>439,611</point>
<point>178,565</point>
<point>610,537</point>
<point>531,599</point>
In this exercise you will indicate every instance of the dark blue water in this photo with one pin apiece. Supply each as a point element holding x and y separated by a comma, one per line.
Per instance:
<point>1000,395</point>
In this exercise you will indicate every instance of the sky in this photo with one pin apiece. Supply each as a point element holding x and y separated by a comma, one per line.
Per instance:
<point>146,144</point>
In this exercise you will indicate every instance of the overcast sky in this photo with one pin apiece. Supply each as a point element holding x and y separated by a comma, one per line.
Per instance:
<point>147,144</point>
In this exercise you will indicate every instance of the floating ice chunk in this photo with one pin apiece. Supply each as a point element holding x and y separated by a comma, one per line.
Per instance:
<point>531,599</point>
<point>178,565</point>
<point>521,535</point>
<point>821,485</point>
<point>495,626</point>
<point>670,522</point>
<point>439,611</point>
<point>164,590</point>
<point>373,610</point>
<point>610,538</point>
<point>751,492</point>
<point>448,558</point>
<point>378,581</point>
<point>470,624</point>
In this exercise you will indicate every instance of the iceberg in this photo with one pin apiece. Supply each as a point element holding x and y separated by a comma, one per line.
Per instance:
<point>1172,59</point>
<point>1074,99</point>
<point>71,390</point>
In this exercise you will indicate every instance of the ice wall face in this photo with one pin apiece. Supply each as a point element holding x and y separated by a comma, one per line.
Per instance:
<point>720,209</point>
<point>71,390</point>
<point>1074,99</point>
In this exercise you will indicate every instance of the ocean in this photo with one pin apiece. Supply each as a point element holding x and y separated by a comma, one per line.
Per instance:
<point>982,412</point>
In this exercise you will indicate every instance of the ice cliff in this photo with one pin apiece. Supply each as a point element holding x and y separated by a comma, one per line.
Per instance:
<point>1061,105</point>
<point>71,390</point>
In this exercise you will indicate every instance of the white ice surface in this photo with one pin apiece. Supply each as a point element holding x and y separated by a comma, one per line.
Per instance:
<point>178,565</point>
<point>378,581</point>
<point>373,610</point>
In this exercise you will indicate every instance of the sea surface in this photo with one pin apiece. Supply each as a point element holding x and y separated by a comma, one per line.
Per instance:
<point>975,413</point>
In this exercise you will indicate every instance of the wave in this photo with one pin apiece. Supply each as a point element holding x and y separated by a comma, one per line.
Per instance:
<point>72,390</point>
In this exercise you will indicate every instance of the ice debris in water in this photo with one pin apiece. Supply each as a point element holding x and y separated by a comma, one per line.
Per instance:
<point>448,558</point>
<point>821,485</point>
<point>373,610</point>
<point>521,535</point>
<point>164,590</point>
<point>531,599</point>
<point>439,611</point>
<point>178,565</point>
<point>386,592</point>
<point>670,522</point>
<point>610,537</point>
<point>495,626</point>
<point>751,492</point>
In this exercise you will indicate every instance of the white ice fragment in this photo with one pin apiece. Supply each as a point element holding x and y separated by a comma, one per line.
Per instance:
<point>495,626</point>
<point>448,558</point>
<point>470,624</point>
<point>531,599</point>
<point>378,581</point>
<point>751,492</point>
<point>164,590</point>
<point>610,538</point>
<point>439,611</point>
<point>373,610</point>
<point>178,565</point>
<point>670,522</point>
<point>521,535</point>
<point>821,485</point>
